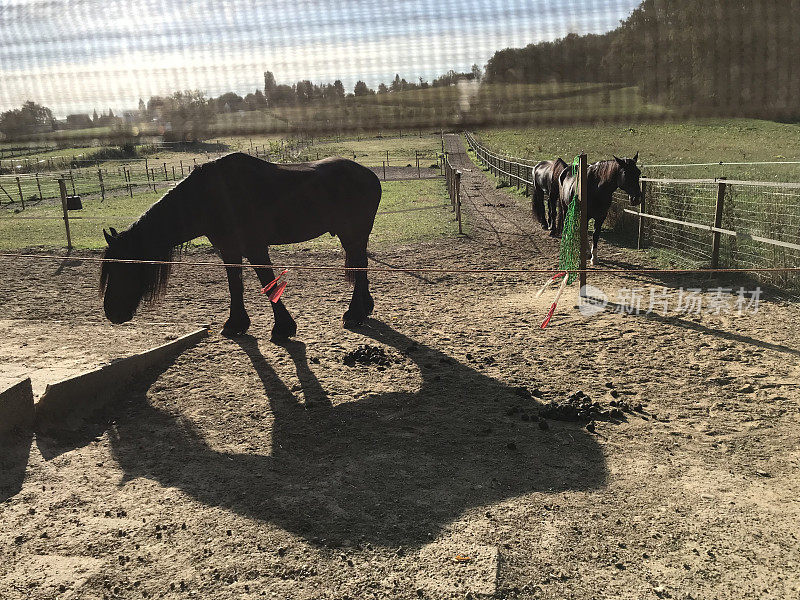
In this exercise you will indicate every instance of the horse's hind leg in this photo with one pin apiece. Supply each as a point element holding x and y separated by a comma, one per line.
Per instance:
<point>538,206</point>
<point>284,326</point>
<point>238,322</point>
<point>362,304</point>
<point>598,225</point>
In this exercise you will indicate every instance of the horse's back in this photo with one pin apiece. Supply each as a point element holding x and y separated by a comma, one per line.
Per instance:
<point>336,174</point>
<point>292,202</point>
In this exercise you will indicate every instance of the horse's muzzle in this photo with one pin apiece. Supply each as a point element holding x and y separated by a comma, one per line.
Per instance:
<point>635,200</point>
<point>117,318</point>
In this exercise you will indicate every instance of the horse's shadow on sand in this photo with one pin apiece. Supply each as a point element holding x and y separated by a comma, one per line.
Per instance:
<point>390,468</point>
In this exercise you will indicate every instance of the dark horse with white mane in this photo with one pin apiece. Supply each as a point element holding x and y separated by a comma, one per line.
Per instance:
<point>243,205</point>
<point>545,179</point>
<point>604,178</point>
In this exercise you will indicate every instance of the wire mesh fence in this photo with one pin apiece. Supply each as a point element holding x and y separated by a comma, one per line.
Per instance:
<point>726,224</point>
<point>762,211</point>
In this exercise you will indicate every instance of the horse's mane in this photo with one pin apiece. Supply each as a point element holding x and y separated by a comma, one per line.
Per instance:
<point>603,171</point>
<point>138,245</point>
<point>154,277</point>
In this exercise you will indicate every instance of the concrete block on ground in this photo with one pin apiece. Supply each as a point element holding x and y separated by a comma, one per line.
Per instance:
<point>78,395</point>
<point>16,407</point>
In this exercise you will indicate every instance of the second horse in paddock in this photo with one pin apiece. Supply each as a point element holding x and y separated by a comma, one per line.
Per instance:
<point>243,205</point>
<point>604,178</point>
<point>545,180</point>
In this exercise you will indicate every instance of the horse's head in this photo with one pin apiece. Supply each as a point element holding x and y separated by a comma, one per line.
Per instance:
<point>124,285</point>
<point>628,180</point>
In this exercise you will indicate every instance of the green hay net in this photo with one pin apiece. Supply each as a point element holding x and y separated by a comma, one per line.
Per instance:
<point>570,248</point>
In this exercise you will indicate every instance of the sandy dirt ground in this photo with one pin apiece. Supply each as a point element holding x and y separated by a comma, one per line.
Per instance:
<point>246,469</point>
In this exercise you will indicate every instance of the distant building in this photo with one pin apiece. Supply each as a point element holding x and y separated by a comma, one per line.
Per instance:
<point>79,121</point>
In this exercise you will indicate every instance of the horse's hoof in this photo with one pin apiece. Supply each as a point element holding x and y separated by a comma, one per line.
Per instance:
<point>280,336</point>
<point>348,323</point>
<point>231,332</point>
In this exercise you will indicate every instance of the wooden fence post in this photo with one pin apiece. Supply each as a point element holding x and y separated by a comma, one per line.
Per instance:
<point>102,187</point>
<point>39,187</point>
<point>458,201</point>
<point>715,236</point>
<point>21,198</point>
<point>583,197</point>
<point>642,205</point>
<point>62,187</point>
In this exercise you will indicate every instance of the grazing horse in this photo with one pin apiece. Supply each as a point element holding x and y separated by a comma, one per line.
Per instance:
<point>604,178</point>
<point>545,179</point>
<point>243,205</point>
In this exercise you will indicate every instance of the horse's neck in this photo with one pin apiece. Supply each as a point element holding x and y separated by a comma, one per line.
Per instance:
<point>609,185</point>
<point>170,221</point>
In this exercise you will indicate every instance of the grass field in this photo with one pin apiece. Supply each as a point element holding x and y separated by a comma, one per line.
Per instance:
<point>29,230</point>
<point>698,141</point>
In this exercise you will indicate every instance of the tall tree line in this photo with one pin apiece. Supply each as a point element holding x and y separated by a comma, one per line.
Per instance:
<point>731,56</point>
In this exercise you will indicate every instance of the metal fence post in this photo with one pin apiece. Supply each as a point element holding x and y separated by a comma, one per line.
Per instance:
<point>715,239</point>
<point>62,187</point>
<point>583,197</point>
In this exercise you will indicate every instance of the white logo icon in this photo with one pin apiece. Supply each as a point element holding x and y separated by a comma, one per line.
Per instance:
<point>592,301</point>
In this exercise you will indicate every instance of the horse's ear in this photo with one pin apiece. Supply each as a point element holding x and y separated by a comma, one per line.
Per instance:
<point>620,162</point>
<point>113,231</point>
<point>109,238</point>
<point>636,157</point>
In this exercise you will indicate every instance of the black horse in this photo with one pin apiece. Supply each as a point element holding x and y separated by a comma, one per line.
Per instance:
<point>604,178</point>
<point>545,179</point>
<point>242,205</point>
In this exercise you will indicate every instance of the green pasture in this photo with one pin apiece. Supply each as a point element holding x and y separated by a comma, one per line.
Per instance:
<point>28,230</point>
<point>695,141</point>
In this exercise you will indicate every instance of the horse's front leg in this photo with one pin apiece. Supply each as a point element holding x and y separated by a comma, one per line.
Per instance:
<point>598,225</point>
<point>284,325</point>
<point>238,322</point>
<point>362,304</point>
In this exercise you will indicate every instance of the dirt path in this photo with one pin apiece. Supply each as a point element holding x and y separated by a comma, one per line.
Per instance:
<point>250,470</point>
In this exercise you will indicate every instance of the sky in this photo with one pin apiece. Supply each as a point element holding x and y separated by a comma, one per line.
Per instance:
<point>78,55</point>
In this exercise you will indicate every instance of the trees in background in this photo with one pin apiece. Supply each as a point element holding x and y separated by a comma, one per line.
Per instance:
<point>30,118</point>
<point>723,56</point>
